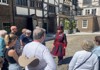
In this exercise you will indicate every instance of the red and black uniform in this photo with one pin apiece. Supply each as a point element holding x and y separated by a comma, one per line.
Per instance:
<point>60,44</point>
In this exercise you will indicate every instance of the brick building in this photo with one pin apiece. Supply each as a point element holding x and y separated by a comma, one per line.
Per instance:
<point>89,20</point>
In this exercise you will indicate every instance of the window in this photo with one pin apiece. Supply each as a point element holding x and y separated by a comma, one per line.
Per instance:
<point>51,8</point>
<point>87,11</point>
<point>22,2</point>
<point>93,11</point>
<point>84,23</point>
<point>32,3</point>
<point>74,2</point>
<point>6,26</point>
<point>66,10</point>
<point>3,1</point>
<point>39,4</point>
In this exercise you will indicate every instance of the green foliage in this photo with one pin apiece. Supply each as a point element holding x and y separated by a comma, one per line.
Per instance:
<point>73,24</point>
<point>66,24</point>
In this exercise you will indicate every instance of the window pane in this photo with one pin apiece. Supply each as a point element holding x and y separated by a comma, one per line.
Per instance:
<point>94,11</point>
<point>32,3</point>
<point>21,2</point>
<point>51,8</point>
<point>6,26</point>
<point>84,23</point>
<point>4,1</point>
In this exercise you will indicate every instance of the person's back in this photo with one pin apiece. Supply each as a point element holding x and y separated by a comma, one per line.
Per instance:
<point>84,59</point>
<point>37,49</point>
<point>81,56</point>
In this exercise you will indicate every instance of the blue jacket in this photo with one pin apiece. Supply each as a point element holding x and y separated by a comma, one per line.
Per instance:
<point>2,46</point>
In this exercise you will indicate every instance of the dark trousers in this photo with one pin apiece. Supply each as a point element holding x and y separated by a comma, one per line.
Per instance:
<point>60,58</point>
<point>5,65</point>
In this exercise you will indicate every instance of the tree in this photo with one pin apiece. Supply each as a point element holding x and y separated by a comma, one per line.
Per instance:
<point>73,24</point>
<point>66,25</point>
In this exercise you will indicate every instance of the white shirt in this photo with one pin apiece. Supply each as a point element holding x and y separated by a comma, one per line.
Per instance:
<point>81,56</point>
<point>42,53</point>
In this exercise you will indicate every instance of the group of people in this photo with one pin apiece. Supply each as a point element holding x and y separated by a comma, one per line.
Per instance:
<point>12,47</point>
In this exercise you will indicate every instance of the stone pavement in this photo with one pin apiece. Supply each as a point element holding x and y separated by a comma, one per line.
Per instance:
<point>74,44</point>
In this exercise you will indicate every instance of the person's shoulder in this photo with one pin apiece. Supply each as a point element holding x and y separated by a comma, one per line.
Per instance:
<point>96,48</point>
<point>11,52</point>
<point>79,52</point>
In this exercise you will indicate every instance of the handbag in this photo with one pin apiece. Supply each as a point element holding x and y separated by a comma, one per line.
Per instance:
<point>83,62</point>
<point>30,62</point>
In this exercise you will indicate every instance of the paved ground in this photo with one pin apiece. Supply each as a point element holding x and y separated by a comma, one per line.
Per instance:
<point>74,44</point>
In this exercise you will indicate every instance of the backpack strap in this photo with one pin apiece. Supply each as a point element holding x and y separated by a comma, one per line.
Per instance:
<point>83,62</point>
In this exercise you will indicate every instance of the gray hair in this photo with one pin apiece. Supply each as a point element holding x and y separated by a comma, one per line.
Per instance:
<point>3,33</point>
<point>38,33</point>
<point>28,31</point>
<point>87,45</point>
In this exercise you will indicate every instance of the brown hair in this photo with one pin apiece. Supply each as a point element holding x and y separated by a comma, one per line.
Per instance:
<point>97,39</point>
<point>10,38</point>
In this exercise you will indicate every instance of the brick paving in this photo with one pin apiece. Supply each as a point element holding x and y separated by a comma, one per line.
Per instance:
<point>74,44</point>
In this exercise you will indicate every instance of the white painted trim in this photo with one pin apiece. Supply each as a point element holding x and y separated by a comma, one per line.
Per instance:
<point>4,4</point>
<point>86,26</point>
<point>32,11</point>
<point>21,11</point>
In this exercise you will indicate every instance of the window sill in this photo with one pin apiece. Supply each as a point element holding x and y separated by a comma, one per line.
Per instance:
<point>84,27</point>
<point>4,4</point>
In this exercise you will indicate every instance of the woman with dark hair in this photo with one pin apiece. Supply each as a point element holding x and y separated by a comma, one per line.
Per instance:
<point>59,44</point>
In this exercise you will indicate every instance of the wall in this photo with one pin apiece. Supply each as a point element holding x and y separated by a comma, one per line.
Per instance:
<point>20,22</point>
<point>90,23</point>
<point>5,13</point>
<point>97,10</point>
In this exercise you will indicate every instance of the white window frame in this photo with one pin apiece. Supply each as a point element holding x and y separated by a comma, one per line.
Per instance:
<point>2,3</point>
<point>83,23</point>
<point>87,12</point>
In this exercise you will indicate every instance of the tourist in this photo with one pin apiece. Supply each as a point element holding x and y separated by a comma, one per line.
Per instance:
<point>10,53</point>
<point>84,59</point>
<point>96,49</point>
<point>38,50</point>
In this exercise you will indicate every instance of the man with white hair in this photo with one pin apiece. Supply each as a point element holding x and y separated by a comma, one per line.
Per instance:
<point>27,37</point>
<point>37,49</point>
<point>22,36</point>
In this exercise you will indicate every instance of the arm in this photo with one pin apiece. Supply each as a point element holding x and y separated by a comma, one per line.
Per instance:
<point>73,62</point>
<point>13,54</point>
<point>65,40</point>
<point>51,65</point>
